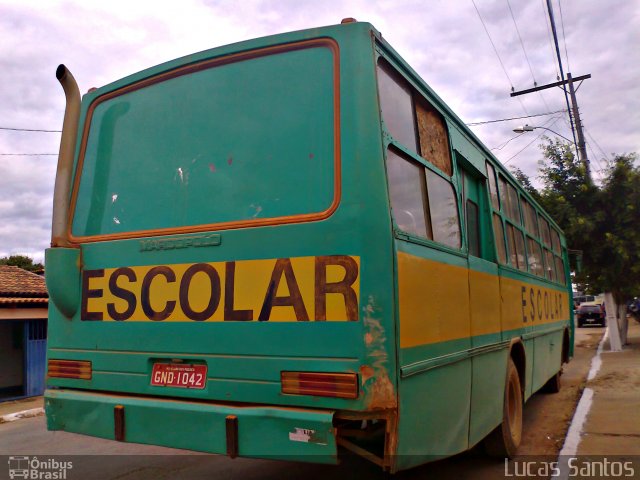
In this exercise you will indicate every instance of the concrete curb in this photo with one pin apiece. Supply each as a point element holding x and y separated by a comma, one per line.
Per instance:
<point>11,417</point>
<point>572,438</point>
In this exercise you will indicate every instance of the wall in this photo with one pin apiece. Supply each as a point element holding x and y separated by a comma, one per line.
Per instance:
<point>11,358</point>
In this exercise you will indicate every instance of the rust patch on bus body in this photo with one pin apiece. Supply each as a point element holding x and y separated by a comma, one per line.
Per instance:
<point>380,393</point>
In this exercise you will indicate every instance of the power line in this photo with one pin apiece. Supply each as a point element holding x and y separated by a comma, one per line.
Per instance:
<point>566,94</point>
<point>526,56</point>
<point>523,107</point>
<point>29,130</point>
<point>593,153</point>
<point>564,39</point>
<point>501,146</point>
<point>529,144</point>
<point>546,22</point>
<point>594,141</point>
<point>535,84</point>
<point>25,154</point>
<point>524,50</point>
<point>498,55</point>
<point>514,118</point>
<point>493,45</point>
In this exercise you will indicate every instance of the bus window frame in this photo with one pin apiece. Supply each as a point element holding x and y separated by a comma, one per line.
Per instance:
<point>328,43</point>
<point>389,142</point>
<point>500,260</point>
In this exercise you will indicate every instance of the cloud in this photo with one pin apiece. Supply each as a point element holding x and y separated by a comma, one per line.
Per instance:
<point>444,42</point>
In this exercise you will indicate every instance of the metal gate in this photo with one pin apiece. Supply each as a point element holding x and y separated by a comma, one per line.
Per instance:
<point>35,339</point>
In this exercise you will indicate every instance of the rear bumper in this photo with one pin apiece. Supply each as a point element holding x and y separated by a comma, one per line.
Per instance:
<point>262,431</point>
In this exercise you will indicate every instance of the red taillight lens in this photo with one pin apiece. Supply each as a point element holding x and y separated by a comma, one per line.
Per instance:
<point>341,385</point>
<point>69,369</point>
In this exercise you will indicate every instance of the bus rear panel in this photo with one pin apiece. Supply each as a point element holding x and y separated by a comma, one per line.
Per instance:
<point>228,288</point>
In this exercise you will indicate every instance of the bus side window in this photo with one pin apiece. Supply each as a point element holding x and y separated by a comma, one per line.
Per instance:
<point>444,210</point>
<point>535,257</point>
<point>493,187</point>
<point>422,202</point>
<point>546,237</point>
<point>502,183</point>
<point>513,212</point>
<point>534,250</point>
<point>473,228</point>
<point>396,104</point>
<point>407,189</point>
<point>550,265</point>
<point>555,241</point>
<point>432,132</point>
<point>560,271</point>
<point>498,232</point>
<point>530,220</point>
<point>516,248</point>
<point>498,227</point>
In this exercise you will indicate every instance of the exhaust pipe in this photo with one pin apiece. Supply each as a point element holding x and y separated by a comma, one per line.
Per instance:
<point>62,189</point>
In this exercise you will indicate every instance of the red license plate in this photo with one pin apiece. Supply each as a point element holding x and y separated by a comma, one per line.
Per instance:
<point>179,375</point>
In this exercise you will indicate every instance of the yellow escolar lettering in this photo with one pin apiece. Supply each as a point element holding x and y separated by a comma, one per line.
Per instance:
<point>541,304</point>
<point>323,288</point>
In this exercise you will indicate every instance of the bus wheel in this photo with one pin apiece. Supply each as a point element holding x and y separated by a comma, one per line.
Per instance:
<point>505,439</point>
<point>553,384</point>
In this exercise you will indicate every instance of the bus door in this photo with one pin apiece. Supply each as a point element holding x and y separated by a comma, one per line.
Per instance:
<point>488,363</point>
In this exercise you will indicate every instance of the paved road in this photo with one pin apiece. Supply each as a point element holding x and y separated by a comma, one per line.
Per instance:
<point>546,419</point>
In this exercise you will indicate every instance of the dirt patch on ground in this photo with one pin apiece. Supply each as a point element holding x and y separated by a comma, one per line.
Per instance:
<point>547,416</point>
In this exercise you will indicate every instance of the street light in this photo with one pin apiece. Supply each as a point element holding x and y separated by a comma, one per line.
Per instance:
<point>529,128</point>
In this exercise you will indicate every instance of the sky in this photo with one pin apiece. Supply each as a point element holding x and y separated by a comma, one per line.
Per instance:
<point>443,40</point>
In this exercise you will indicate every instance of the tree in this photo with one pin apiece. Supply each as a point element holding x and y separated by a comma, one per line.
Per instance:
<point>615,261</point>
<point>570,198</point>
<point>526,183</point>
<point>21,261</point>
<point>601,221</point>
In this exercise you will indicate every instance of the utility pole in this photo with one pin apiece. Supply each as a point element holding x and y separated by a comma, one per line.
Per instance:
<point>582,150</point>
<point>579,142</point>
<point>552,21</point>
<point>574,113</point>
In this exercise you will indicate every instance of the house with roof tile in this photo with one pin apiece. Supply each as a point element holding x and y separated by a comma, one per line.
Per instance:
<point>23,333</point>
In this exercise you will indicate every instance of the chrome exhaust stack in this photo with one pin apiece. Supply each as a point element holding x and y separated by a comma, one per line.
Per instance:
<point>62,189</point>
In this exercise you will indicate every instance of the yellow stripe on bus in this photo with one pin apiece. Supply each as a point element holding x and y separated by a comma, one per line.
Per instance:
<point>278,290</point>
<point>437,304</point>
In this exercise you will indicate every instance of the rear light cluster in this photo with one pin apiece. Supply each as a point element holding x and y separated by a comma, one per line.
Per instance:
<point>340,385</point>
<point>69,369</point>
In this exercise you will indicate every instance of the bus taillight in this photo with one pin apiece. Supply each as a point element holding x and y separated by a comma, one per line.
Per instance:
<point>69,369</point>
<point>341,385</point>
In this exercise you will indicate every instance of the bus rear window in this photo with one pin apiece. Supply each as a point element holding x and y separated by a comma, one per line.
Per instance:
<point>232,142</point>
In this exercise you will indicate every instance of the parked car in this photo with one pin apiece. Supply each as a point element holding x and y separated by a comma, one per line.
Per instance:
<point>591,314</point>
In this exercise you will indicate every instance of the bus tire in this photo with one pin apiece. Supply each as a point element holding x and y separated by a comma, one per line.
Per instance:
<point>553,384</point>
<point>505,439</point>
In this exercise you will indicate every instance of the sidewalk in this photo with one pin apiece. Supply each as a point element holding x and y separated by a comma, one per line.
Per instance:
<point>9,409</point>
<point>612,425</point>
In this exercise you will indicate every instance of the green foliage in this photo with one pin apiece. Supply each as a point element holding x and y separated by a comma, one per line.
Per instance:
<point>601,221</point>
<point>526,183</point>
<point>615,260</point>
<point>21,261</point>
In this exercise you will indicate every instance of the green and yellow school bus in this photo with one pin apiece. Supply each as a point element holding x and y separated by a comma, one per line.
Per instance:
<point>290,247</point>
